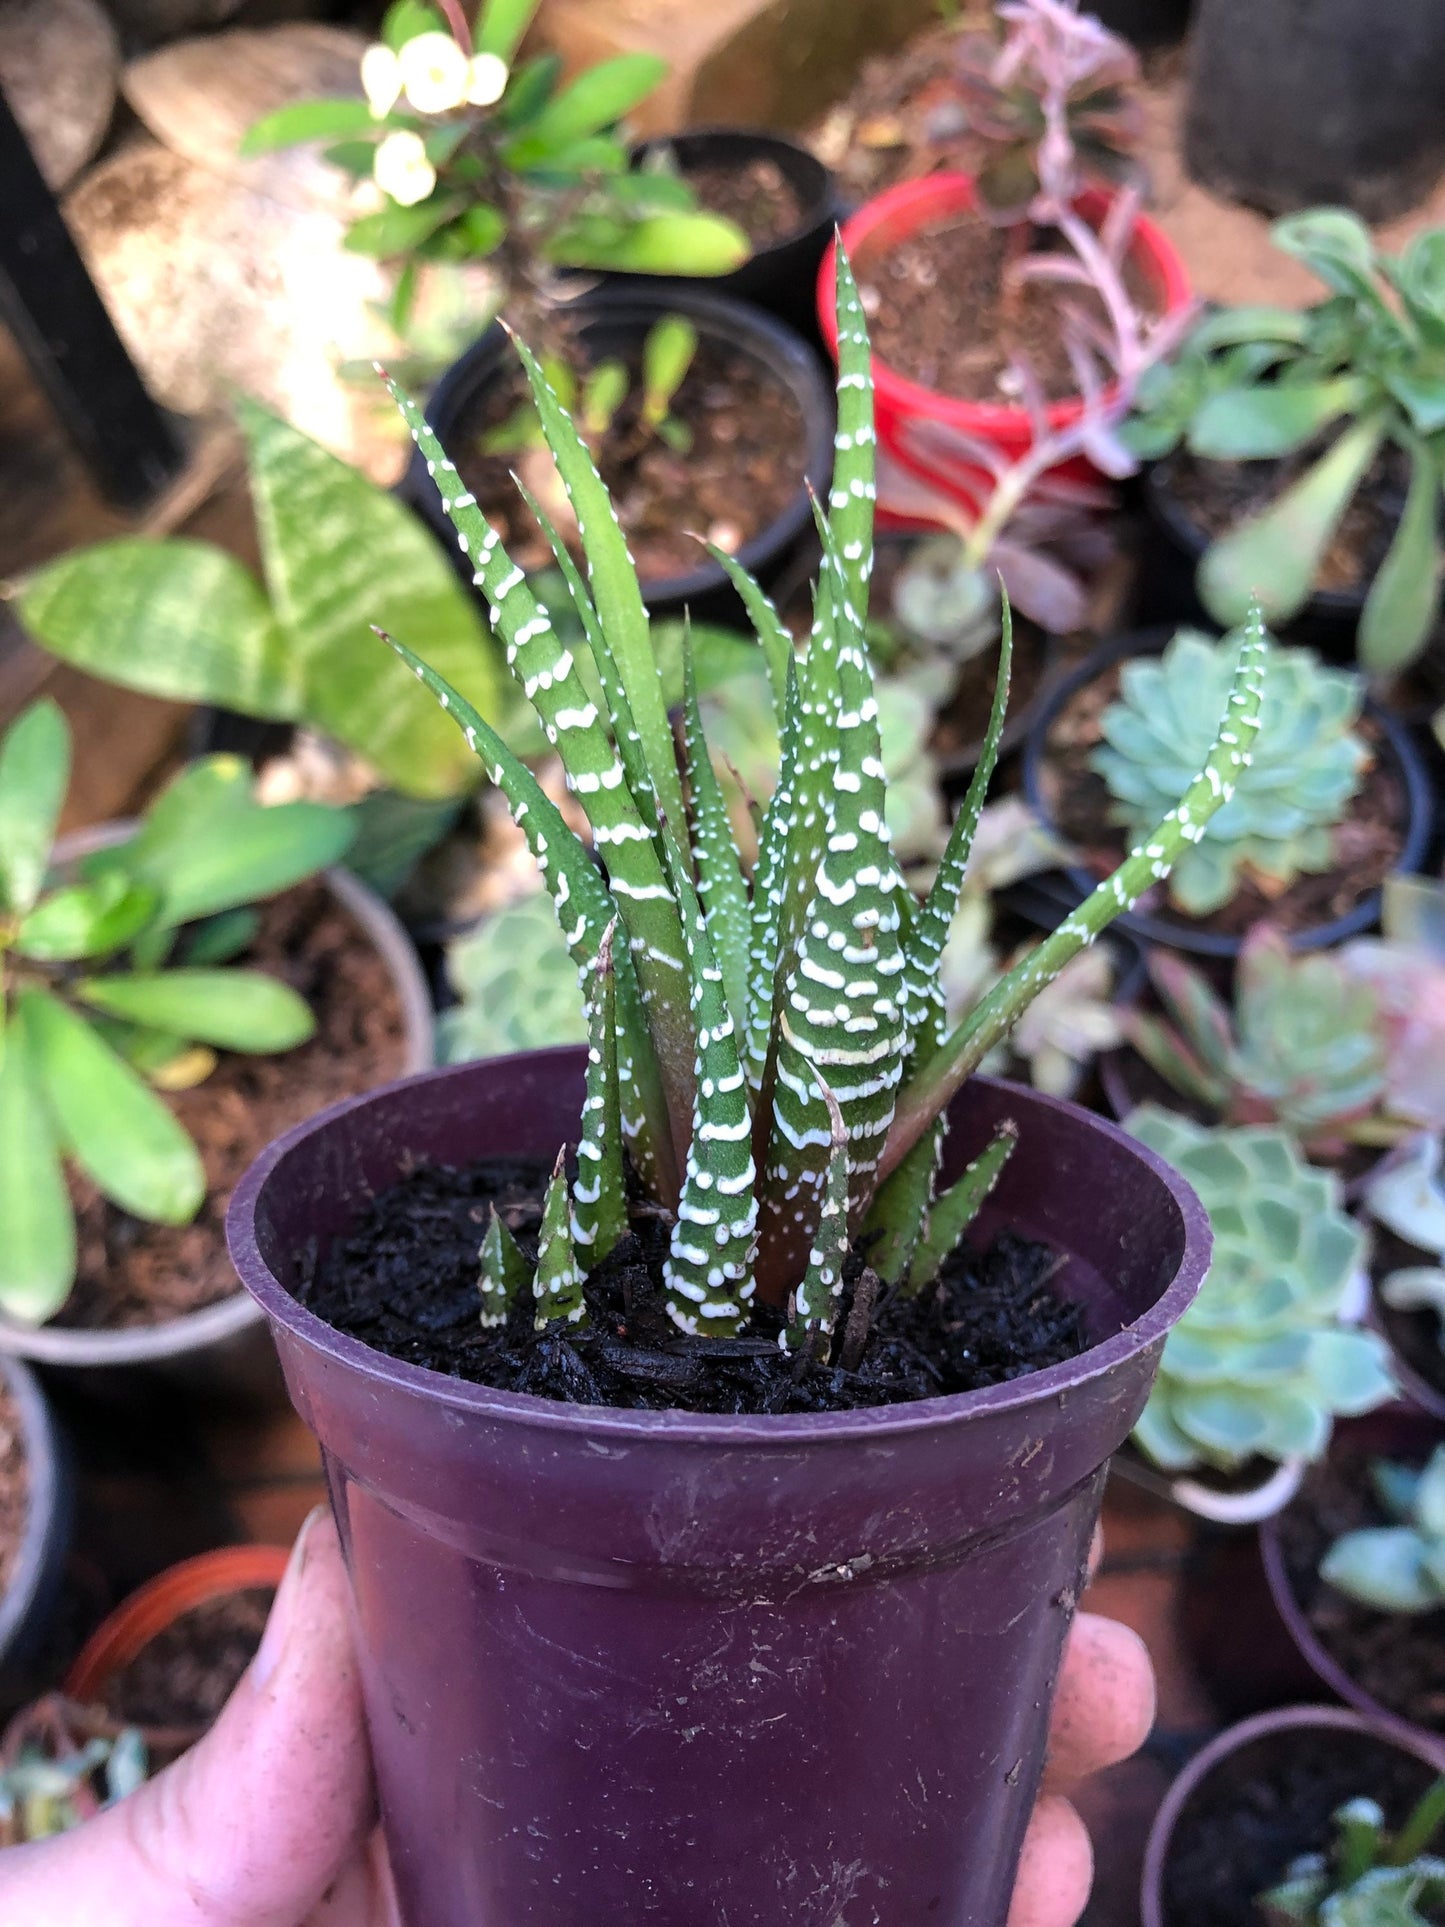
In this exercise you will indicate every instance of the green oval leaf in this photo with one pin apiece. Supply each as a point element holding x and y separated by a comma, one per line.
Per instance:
<point>87,919</point>
<point>117,1129</point>
<point>34,773</point>
<point>596,99</point>
<point>240,1010</point>
<point>37,1251</point>
<point>239,858</point>
<point>693,244</point>
<point>1255,424</point>
<point>501,26</point>
<point>306,120</point>
<point>1404,598</point>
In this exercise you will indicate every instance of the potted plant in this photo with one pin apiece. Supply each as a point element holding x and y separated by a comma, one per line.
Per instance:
<point>1297,1809</point>
<point>1291,451</point>
<point>1271,1353</point>
<point>1338,801</point>
<point>35,1511</point>
<point>1354,1566</point>
<point>56,1771</point>
<point>138,1052</point>
<point>653,1617</point>
<point>1029,241</point>
<point>1406,1201</point>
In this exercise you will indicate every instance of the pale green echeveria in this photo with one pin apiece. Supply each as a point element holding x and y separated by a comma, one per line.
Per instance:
<point>1268,1355</point>
<point>1368,1877</point>
<point>1307,764</point>
<point>517,986</point>
<point>1408,1198</point>
<point>1398,1568</point>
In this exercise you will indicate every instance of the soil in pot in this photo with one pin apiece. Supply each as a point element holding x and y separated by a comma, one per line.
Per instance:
<point>744,467</point>
<point>132,1273</point>
<point>1415,1335</point>
<point>758,196</point>
<point>14,1485</point>
<point>1215,496</point>
<point>1397,1658</point>
<point>941,314</point>
<point>1367,842</point>
<point>184,1676</point>
<point>1268,1804</point>
<point>405,1282</point>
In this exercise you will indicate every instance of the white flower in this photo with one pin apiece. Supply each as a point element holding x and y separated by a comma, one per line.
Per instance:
<point>380,80</point>
<point>402,169</point>
<point>490,75</point>
<point>435,73</point>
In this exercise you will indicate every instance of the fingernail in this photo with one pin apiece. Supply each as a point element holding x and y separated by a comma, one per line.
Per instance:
<point>283,1607</point>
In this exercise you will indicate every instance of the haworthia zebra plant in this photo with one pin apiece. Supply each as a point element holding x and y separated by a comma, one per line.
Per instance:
<point>774,1047</point>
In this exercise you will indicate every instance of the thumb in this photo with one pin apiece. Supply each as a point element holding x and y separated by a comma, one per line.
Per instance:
<point>258,1820</point>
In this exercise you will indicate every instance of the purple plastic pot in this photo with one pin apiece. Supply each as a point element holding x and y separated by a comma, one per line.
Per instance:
<point>1241,1748</point>
<point>658,1667</point>
<point>1396,1432</point>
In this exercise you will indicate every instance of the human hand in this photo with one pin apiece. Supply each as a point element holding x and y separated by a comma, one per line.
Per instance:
<point>268,1822</point>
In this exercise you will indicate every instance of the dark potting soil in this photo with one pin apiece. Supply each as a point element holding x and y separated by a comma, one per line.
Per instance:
<point>941,313</point>
<point>1417,1336</point>
<point>744,467</point>
<point>758,196</point>
<point>1397,1658</point>
<point>1367,841</point>
<point>1268,1804</point>
<point>14,1486</point>
<point>133,1273</point>
<point>405,1282</point>
<point>187,1673</point>
<point>1215,496</point>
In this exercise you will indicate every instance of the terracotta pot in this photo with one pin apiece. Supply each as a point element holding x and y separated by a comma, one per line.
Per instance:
<point>222,1351</point>
<point>1290,1727</point>
<point>904,407</point>
<point>35,1576</point>
<point>616,1661</point>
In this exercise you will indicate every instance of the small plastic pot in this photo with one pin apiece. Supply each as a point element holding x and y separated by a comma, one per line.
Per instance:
<point>222,1352</point>
<point>781,277</point>
<point>619,1665</point>
<point>1074,882</point>
<point>1395,1432</point>
<point>1411,1336</point>
<point>1259,1492</point>
<point>1305,1729</point>
<point>913,421</point>
<point>611,320</point>
<point>27,1600</point>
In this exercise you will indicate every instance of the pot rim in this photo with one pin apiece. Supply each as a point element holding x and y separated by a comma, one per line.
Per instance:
<point>1285,1719</point>
<point>785,1430</point>
<point>1171,931</point>
<point>42,1500</point>
<point>214,1324</point>
<point>915,203</point>
<point>754,331</point>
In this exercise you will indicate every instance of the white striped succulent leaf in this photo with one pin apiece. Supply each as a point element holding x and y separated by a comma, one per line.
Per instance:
<point>557,1284</point>
<point>599,1195</point>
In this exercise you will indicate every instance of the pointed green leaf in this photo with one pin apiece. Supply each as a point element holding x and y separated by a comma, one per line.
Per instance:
<point>116,1128</point>
<point>241,1010</point>
<point>599,1195</point>
<point>306,120</point>
<point>853,492</point>
<point>955,1209</point>
<point>597,98</point>
<point>557,1283</point>
<point>720,882</point>
<point>87,919</point>
<point>505,1273</point>
<point>772,633</point>
<point>814,1306</point>
<point>34,774</point>
<point>1404,599</point>
<point>502,23</point>
<point>37,1251</point>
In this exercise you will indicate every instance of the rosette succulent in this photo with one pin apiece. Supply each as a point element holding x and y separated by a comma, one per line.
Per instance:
<point>1266,1357</point>
<point>516,985</point>
<point>1279,823</point>
<point>770,1050</point>
<point>1304,1046</point>
<point>1399,1568</point>
<point>1368,1878</point>
<point>1407,1196</point>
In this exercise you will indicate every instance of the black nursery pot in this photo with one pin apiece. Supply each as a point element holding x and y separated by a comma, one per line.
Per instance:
<point>610,321</point>
<point>1067,888</point>
<point>782,276</point>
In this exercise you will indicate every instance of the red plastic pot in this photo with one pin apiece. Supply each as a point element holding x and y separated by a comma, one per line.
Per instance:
<point>914,421</point>
<point>659,1667</point>
<point>1235,1752</point>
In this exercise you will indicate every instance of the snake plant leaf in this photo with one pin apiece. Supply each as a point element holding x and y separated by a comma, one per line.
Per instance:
<point>505,1273</point>
<point>765,939</point>
<point>34,775</point>
<point>1274,556</point>
<point>853,494</point>
<point>720,881</point>
<point>88,919</point>
<point>599,1192</point>
<point>597,98</point>
<point>1255,424</point>
<point>557,1282</point>
<point>173,618</point>
<point>341,555</point>
<point>814,1306</point>
<point>240,1010</point>
<point>116,1128</point>
<point>1404,599</point>
<point>37,1252</point>
<point>501,25</point>
<point>955,1209</point>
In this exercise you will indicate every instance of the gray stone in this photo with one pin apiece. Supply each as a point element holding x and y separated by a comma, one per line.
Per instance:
<point>58,65</point>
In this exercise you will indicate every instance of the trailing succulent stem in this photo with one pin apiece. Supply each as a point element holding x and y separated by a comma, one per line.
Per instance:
<point>770,1048</point>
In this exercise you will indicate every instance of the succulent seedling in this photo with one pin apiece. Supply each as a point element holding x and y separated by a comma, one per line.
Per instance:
<point>1368,1877</point>
<point>1398,1568</point>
